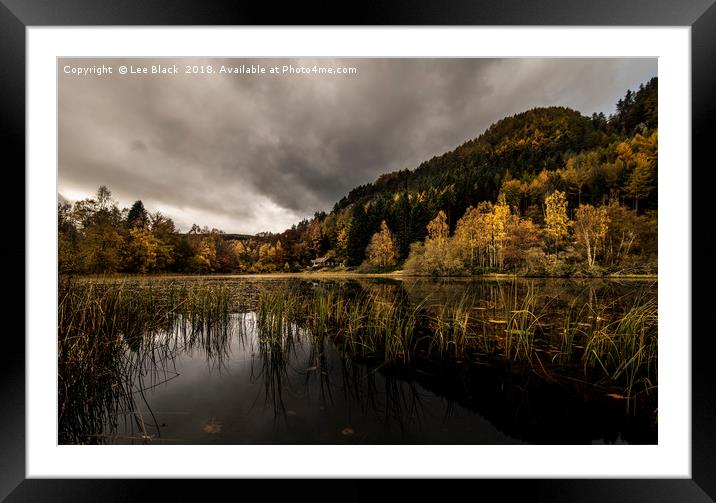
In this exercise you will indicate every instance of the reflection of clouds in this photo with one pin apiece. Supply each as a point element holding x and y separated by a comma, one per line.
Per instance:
<point>225,148</point>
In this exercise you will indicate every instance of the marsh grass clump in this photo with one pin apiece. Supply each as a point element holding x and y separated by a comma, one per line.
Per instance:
<point>626,349</point>
<point>568,332</point>
<point>277,311</point>
<point>115,339</point>
<point>516,323</point>
<point>88,363</point>
<point>451,328</point>
<point>522,323</point>
<point>392,325</point>
<point>365,323</point>
<point>372,323</point>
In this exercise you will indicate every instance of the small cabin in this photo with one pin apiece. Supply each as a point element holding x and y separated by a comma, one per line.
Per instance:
<point>322,262</point>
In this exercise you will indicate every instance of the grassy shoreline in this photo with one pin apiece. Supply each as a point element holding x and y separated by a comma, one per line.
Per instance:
<point>354,274</point>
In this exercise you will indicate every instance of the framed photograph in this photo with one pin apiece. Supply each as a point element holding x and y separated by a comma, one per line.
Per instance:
<point>431,245</point>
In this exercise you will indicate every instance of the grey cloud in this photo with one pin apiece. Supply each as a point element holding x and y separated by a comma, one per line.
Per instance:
<point>138,146</point>
<point>258,152</point>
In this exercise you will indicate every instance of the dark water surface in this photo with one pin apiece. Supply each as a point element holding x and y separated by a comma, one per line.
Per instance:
<point>307,392</point>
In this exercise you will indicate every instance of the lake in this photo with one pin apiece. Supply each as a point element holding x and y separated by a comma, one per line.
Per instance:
<point>357,360</point>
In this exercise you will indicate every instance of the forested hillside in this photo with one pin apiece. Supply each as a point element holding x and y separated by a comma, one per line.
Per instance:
<point>545,192</point>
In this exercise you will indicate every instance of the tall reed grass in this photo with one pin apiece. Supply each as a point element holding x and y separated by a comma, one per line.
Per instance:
<point>626,349</point>
<point>382,324</point>
<point>116,339</point>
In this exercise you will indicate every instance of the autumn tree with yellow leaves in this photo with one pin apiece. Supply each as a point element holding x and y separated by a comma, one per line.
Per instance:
<point>473,233</point>
<point>482,233</point>
<point>556,219</point>
<point>381,250</point>
<point>438,230</point>
<point>500,216</point>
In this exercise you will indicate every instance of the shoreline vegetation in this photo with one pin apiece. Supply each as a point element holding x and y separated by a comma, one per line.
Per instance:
<point>328,274</point>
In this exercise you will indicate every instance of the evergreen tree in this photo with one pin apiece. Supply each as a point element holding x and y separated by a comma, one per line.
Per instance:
<point>358,235</point>
<point>137,216</point>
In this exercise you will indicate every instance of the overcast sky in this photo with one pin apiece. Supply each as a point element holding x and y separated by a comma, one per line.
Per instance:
<point>251,153</point>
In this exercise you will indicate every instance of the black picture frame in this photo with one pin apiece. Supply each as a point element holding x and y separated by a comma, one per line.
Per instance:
<point>700,15</point>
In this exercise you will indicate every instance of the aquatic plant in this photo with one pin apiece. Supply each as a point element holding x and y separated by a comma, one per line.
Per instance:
<point>626,350</point>
<point>115,339</point>
<point>451,327</point>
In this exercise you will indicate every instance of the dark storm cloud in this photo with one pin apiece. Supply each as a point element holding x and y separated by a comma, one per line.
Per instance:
<point>251,153</point>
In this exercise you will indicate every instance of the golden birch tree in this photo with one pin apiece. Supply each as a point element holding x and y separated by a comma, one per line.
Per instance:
<point>474,233</point>
<point>381,250</point>
<point>556,219</point>
<point>500,216</point>
<point>438,230</point>
<point>590,228</point>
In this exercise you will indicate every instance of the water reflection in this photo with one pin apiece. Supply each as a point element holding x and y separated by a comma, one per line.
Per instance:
<point>231,379</point>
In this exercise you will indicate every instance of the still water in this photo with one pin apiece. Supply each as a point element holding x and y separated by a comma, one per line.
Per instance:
<point>307,391</point>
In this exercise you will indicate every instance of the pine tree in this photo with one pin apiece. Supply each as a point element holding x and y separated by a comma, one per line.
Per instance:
<point>358,235</point>
<point>137,216</point>
<point>642,181</point>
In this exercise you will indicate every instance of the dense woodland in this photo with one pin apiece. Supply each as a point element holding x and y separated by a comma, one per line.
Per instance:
<point>544,192</point>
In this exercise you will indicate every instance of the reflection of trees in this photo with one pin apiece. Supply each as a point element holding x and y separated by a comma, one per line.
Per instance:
<point>390,400</point>
<point>525,401</point>
<point>314,366</point>
<point>105,368</point>
<point>522,405</point>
